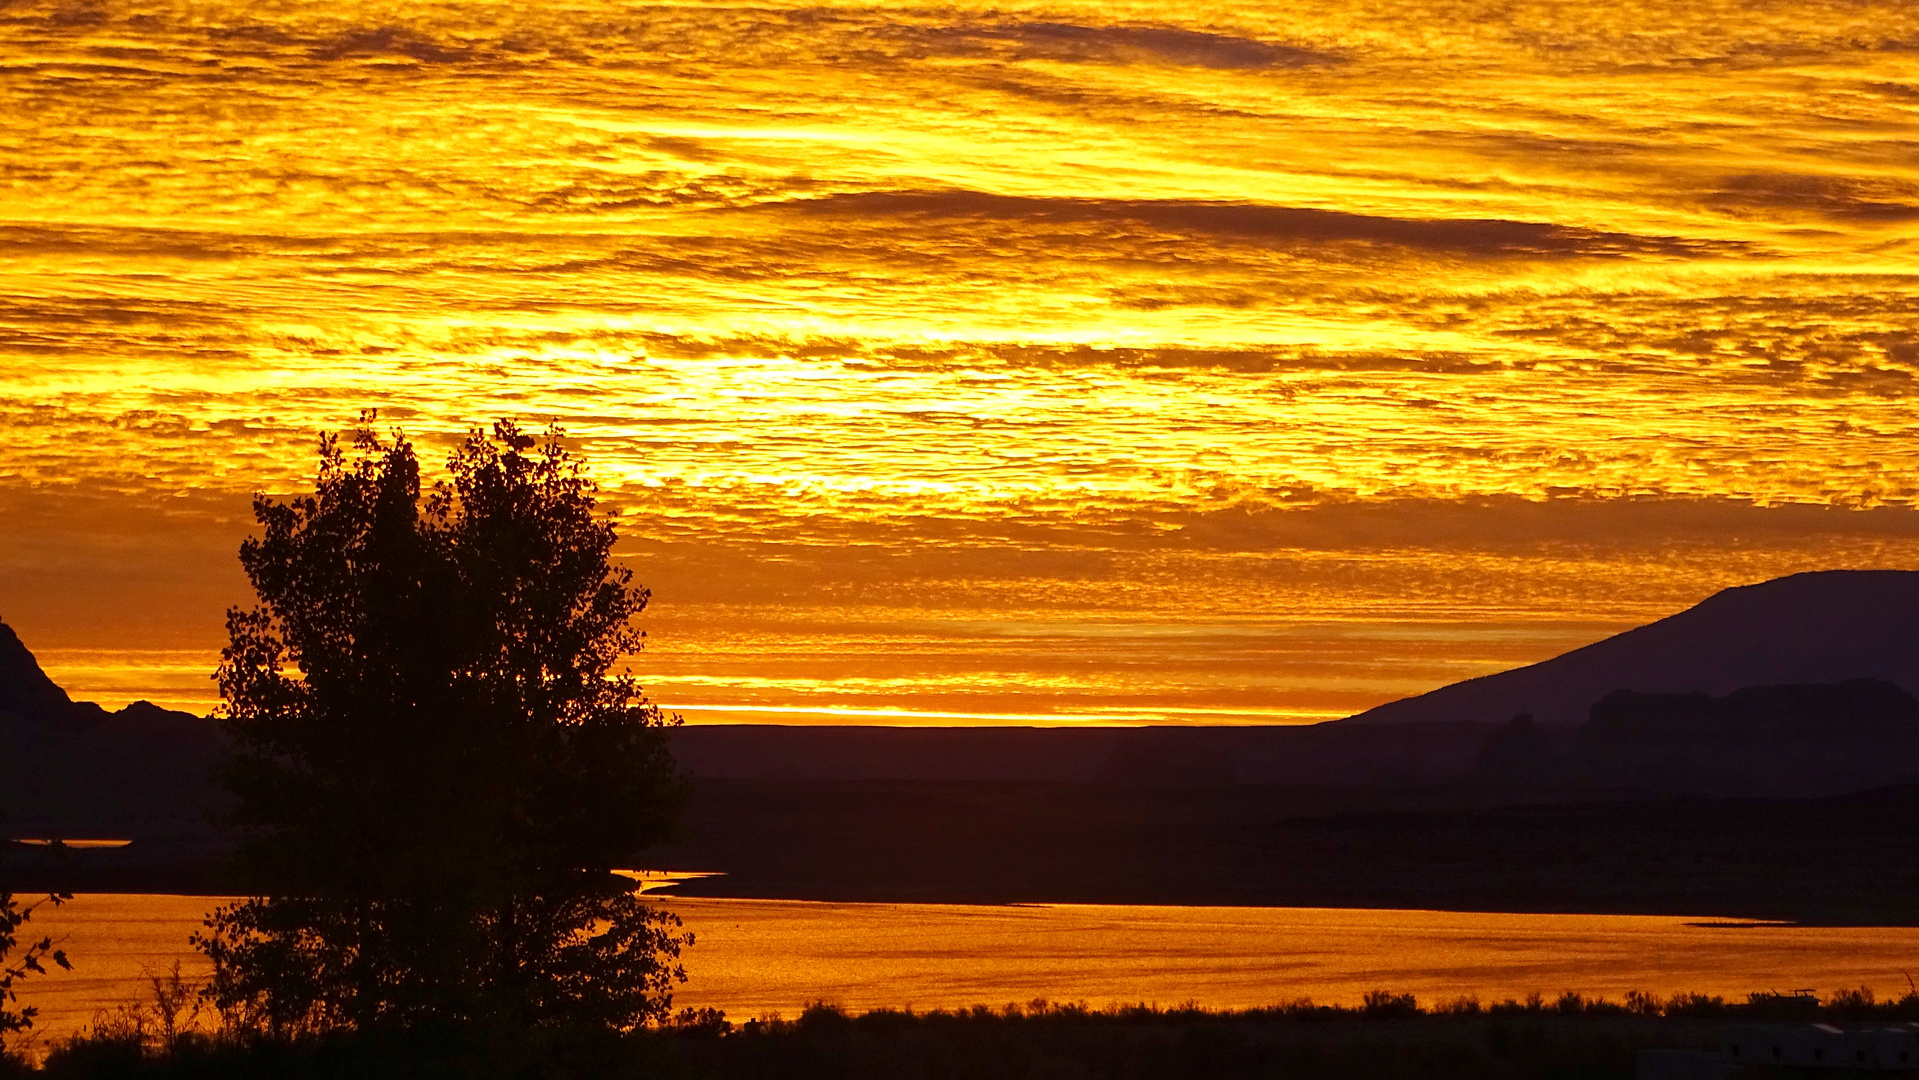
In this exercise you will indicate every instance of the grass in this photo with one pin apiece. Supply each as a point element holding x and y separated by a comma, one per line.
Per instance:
<point>1389,1036</point>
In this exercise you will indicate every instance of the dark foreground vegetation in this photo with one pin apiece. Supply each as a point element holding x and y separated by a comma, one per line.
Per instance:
<point>1389,1037</point>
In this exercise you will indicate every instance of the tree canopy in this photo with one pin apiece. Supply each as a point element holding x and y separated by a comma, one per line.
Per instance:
<point>439,760</point>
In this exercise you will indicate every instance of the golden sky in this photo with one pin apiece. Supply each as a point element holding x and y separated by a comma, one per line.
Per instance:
<point>1229,362</point>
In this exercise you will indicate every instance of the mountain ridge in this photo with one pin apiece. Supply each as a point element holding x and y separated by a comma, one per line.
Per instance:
<point>1822,626</point>
<point>24,687</point>
<point>125,770</point>
<point>78,769</point>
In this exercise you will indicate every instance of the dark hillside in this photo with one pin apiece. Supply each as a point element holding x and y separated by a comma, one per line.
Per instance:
<point>77,770</point>
<point>1484,813</point>
<point>1805,741</point>
<point>1842,860</point>
<point>1823,627</point>
<point>25,690</point>
<point>1153,756</point>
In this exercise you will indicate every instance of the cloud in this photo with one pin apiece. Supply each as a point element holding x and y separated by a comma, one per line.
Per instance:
<point>390,42</point>
<point>1073,43</point>
<point>1846,198</point>
<point>1281,224</point>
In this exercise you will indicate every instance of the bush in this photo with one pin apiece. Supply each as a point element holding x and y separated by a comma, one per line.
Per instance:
<point>1387,1037</point>
<point>1384,1004</point>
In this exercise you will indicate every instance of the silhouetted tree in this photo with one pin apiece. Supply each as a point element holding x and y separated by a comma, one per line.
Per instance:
<point>30,960</point>
<point>436,764</point>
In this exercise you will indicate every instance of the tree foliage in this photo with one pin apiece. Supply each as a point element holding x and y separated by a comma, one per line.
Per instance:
<point>31,959</point>
<point>438,761</point>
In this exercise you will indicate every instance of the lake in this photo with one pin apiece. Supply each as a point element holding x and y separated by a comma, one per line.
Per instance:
<point>758,957</point>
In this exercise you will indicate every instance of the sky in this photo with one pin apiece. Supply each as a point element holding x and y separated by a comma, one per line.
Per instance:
<point>1027,363</point>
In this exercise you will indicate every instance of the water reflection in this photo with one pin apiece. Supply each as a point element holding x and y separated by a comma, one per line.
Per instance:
<point>757,957</point>
<point>655,880</point>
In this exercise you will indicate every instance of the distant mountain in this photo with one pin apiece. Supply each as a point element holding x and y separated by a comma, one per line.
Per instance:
<point>1663,723</point>
<point>1824,627</point>
<point>1807,740</point>
<point>25,690</point>
<point>1150,757</point>
<point>75,770</point>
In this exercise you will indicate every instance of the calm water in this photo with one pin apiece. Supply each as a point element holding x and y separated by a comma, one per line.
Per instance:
<point>756,957</point>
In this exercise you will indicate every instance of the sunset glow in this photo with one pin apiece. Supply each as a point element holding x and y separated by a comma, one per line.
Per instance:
<point>1033,363</point>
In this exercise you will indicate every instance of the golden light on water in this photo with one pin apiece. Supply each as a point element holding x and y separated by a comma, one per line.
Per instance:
<point>1072,361</point>
<point>768,957</point>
